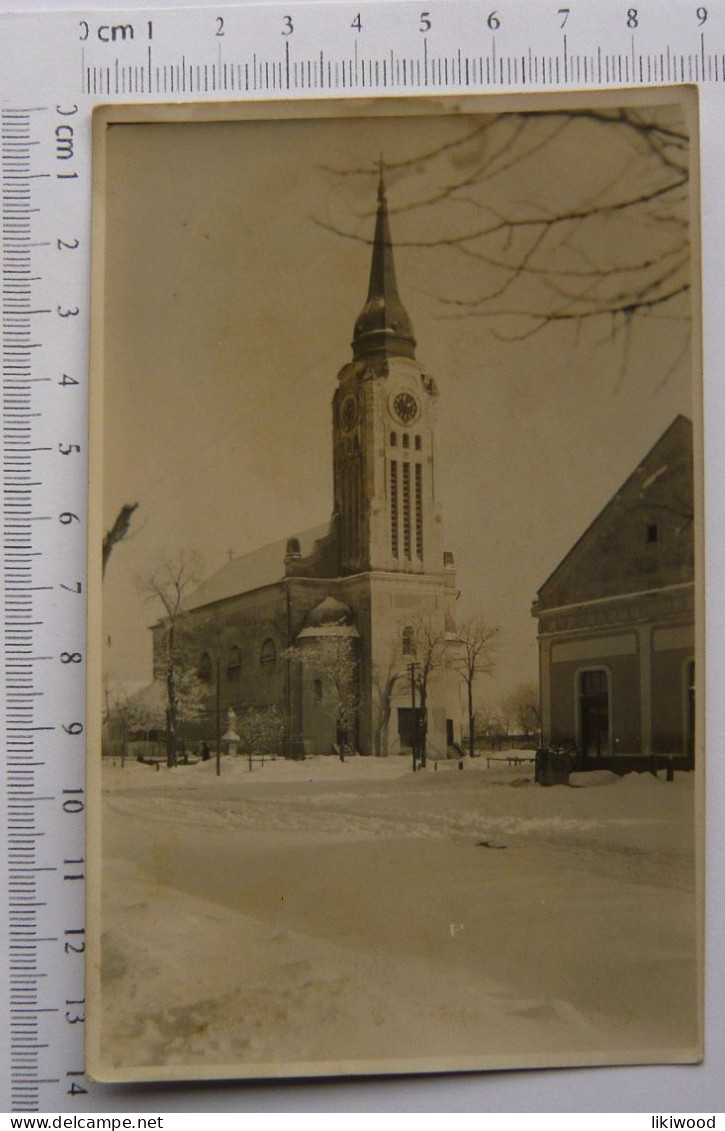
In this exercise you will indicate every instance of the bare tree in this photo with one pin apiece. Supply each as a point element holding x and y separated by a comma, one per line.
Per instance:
<point>489,724</point>
<point>115,719</point>
<point>474,656</point>
<point>521,708</point>
<point>142,716</point>
<point>335,661</point>
<point>190,695</point>
<point>608,242</point>
<point>261,730</point>
<point>385,679</point>
<point>431,652</point>
<point>170,585</point>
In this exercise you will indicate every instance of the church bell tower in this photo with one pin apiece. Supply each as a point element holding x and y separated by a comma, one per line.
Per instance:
<point>383,430</point>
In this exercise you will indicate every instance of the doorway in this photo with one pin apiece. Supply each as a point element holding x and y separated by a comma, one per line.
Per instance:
<point>410,723</point>
<point>594,713</point>
<point>407,717</point>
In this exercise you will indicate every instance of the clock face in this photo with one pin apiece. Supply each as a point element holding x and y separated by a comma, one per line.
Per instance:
<point>405,407</point>
<point>348,414</point>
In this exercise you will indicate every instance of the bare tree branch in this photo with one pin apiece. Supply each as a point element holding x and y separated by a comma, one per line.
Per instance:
<point>118,531</point>
<point>170,585</point>
<point>476,640</point>
<point>610,244</point>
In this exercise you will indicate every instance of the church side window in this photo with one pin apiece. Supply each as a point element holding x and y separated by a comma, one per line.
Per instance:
<point>234,665</point>
<point>419,510</point>
<point>205,668</point>
<point>408,640</point>
<point>394,507</point>
<point>406,509</point>
<point>268,655</point>
<point>317,690</point>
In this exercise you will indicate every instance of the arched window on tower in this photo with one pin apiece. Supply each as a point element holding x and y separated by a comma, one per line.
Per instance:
<point>317,690</point>
<point>406,440</point>
<point>418,443</point>
<point>205,668</point>
<point>394,546</point>
<point>268,655</point>
<point>234,665</point>
<point>408,640</point>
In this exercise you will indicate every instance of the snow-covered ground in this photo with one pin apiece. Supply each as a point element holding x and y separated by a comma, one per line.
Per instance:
<point>323,916</point>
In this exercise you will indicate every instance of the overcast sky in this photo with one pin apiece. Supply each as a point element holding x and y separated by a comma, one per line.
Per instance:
<point>229,311</point>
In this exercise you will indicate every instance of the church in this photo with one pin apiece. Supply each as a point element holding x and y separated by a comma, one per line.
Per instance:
<point>375,589</point>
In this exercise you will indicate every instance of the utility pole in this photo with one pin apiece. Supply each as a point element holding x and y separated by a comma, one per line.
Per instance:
<point>422,730</point>
<point>413,668</point>
<point>218,719</point>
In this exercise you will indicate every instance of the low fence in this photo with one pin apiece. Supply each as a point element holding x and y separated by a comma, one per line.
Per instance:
<point>494,742</point>
<point>512,759</point>
<point>553,767</point>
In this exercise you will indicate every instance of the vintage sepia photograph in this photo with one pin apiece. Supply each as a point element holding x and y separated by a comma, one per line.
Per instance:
<point>395,756</point>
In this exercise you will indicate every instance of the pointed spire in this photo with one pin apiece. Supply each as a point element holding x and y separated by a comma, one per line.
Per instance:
<point>383,328</point>
<point>381,179</point>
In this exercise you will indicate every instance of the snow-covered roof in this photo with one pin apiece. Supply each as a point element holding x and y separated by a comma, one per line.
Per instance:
<point>262,567</point>
<point>150,696</point>
<point>119,690</point>
<point>329,630</point>
<point>330,618</point>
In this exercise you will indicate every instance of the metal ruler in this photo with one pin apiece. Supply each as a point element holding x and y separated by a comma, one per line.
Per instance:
<point>55,67</point>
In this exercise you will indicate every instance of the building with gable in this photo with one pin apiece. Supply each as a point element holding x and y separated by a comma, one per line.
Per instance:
<point>370,578</point>
<point>617,615</point>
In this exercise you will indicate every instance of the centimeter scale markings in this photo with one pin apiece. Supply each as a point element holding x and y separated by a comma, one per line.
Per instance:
<point>284,70</point>
<point>38,855</point>
<point>46,926</point>
<point>401,73</point>
<point>19,622</point>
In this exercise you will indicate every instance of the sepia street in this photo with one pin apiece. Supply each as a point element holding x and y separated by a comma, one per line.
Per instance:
<point>319,912</point>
